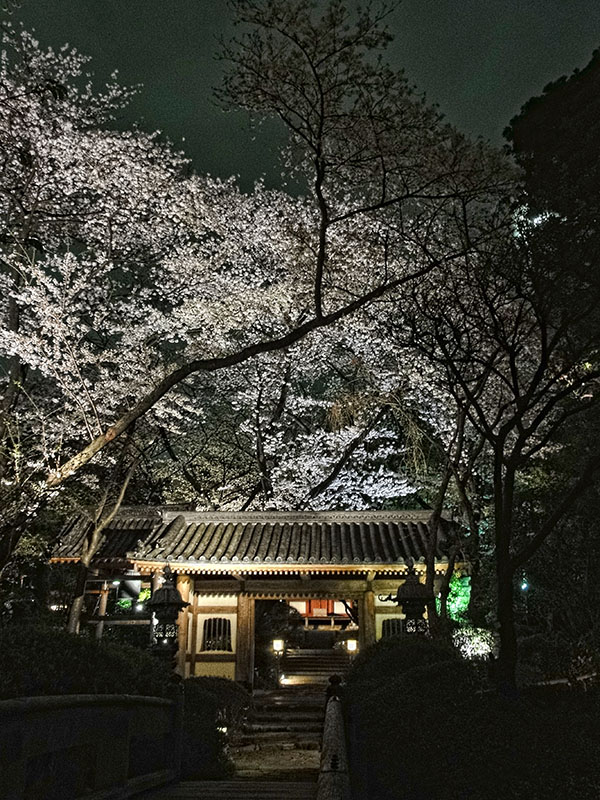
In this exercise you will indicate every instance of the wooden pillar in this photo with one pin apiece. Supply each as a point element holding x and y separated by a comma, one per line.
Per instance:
<point>184,585</point>
<point>366,619</point>
<point>102,609</point>
<point>244,655</point>
<point>193,643</point>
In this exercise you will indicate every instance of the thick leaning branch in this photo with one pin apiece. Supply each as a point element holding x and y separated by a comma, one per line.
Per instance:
<point>74,464</point>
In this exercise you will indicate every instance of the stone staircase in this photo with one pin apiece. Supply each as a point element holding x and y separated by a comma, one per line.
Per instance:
<point>284,719</point>
<point>302,667</point>
<point>277,754</point>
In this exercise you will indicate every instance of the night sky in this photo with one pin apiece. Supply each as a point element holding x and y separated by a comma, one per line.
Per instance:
<point>480,60</point>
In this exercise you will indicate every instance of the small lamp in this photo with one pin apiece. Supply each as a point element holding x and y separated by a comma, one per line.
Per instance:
<point>278,646</point>
<point>352,646</point>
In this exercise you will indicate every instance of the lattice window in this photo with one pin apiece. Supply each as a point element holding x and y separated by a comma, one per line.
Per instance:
<point>216,634</point>
<point>392,627</point>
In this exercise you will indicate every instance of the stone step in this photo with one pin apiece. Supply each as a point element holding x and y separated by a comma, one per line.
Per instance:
<point>281,704</point>
<point>307,669</point>
<point>280,740</point>
<point>236,790</point>
<point>319,663</point>
<point>278,713</point>
<point>302,726</point>
<point>304,668</point>
<point>324,655</point>
<point>322,651</point>
<point>307,679</point>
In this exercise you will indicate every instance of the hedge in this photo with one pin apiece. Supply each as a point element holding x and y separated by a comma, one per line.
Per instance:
<point>41,660</point>
<point>431,732</point>
<point>214,707</point>
<point>45,661</point>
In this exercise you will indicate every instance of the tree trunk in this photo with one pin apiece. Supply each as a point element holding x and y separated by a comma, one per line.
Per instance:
<point>92,545</point>
<point>503,508</point>
<point>507,660</point>
<point>432,544</point>
<point>445,584</point>
<point>76,608</point>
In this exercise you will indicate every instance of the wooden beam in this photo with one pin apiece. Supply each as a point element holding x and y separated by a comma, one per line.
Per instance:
<point>332,587</point>
<point>366,619</point>
<point>184,585</point>
<point>209,657</point>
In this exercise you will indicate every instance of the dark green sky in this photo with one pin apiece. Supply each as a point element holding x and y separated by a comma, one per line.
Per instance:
<point>479,59</point>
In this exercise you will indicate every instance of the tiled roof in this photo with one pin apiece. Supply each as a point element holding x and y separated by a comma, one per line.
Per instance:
<point>319,538</point>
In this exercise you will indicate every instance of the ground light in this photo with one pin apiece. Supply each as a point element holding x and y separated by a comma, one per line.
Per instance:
<point>278,646</point>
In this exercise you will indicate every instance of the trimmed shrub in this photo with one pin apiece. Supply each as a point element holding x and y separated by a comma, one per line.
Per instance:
<point>394,655</point>
<point>204,745</point>
<point>451,741</point>
<point>46,661</point>
<point>212,708</point>
<point>232,700</point>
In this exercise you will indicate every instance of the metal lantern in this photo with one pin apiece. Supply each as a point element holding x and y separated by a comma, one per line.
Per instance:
<point>165,604</point>
<point>412,596</point>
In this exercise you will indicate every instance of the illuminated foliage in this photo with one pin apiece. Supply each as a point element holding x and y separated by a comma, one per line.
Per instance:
<point>459,597</point>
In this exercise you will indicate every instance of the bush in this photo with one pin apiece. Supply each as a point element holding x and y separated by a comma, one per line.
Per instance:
<point>451,741</point>
<point>204,746</point>
<point>232,700</point>
<point>210,706</point>
<point>394,655</point>
<point>46,661</point>
<point>550,656</point>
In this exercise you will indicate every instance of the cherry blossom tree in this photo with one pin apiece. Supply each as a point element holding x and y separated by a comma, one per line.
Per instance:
<point>515,336</point>
<point>127,282</point>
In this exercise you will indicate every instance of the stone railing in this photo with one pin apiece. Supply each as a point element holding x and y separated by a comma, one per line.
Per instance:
<point>334,779</point>
<point>97,746</point>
